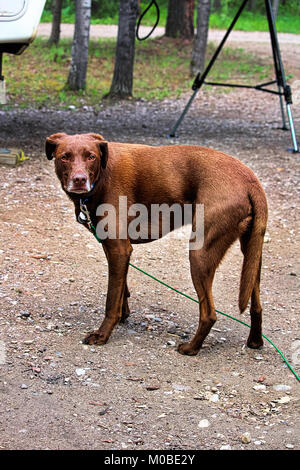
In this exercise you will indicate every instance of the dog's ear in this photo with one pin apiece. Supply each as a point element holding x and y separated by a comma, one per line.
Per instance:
<point>96,136</point>
<point>103,147</point>
<point>51,144</point>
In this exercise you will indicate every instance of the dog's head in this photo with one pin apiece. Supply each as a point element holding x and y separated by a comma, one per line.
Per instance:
<point>78,160</point>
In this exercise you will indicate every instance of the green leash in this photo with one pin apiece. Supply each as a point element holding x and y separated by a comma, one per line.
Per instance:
<point>94,232</point>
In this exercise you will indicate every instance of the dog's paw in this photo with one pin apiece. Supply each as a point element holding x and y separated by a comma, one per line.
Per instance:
<point>186,348</point>
<point>95,337</point>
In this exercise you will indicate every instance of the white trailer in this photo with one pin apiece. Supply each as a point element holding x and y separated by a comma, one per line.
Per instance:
<point>19,20</point>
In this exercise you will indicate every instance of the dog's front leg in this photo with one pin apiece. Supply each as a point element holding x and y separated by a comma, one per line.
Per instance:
<point>118,255</point>
<point>125,306</point>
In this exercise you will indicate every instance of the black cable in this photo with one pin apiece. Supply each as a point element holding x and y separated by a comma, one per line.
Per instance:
<point>153,2</point>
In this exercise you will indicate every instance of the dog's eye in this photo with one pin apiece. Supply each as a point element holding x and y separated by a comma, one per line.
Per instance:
<point>91,157</point>
<point>65,158</point>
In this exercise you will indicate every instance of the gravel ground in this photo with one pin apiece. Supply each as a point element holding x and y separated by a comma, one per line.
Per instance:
<point>137,392</point>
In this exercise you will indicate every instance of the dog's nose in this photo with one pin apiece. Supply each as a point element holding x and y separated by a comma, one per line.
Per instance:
<point>79,179</point>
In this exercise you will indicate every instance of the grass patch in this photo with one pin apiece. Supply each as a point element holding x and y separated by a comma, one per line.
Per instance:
<point>249,21</point>
<point>38,77</point>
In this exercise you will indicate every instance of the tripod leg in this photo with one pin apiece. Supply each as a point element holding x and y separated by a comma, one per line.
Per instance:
<point>187,107</point>
<point>200,80</point>
<point>280,75</point>
<point>284,126</point>
<point>292,128</point>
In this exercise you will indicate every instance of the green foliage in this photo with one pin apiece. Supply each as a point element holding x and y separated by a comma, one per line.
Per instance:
<point>107,11</point>
<point>249,21</point>
<point>291,7</point>
<point>161,71</point>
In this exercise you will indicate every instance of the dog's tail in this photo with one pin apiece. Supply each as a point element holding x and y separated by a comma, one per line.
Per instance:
<point>252,243</point>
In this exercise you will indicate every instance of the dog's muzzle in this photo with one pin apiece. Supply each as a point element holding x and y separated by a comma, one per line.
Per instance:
<point>79,183</point>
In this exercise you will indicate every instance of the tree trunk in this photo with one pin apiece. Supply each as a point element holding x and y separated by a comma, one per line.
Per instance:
<point>56,20</point>
<point>80,46</point>
<point>200,43</point>
<point>217,5</point>
<point>173,18</point>
<point>187,27</point>
<point>252,5</point>
<point>180,19</point>
<point>122,82</point>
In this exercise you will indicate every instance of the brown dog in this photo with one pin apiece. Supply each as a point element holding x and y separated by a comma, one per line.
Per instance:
<point>98,172</point>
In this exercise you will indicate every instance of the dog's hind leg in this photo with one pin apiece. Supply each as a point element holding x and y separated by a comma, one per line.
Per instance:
<point>203,284</point>
<point>255,340</point>
<point>204,263</point>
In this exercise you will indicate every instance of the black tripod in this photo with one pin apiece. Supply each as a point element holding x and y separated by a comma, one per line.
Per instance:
<point>284,90</point>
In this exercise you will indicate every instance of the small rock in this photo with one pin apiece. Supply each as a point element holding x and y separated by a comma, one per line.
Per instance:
<point>214,398</point>
<point>204,423</point>
<point>79,372</point>
<point>171,343</point>
<point>24,386</point>
<point>152,387</point>
<point>25,314</point>
<point>284,400</point>
<point>261,379</point>
<point>246,438</point>
<point>281,387</point>
<point>180,387</point>
<point>289,446</point>
<point>259,387</point>
<point>226,447</point>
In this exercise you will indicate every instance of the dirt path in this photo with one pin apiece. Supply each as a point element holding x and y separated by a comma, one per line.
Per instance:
<point>137,392</point>
<point>110,31</point>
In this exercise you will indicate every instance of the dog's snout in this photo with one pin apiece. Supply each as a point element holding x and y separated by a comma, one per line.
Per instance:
<point>79,179</point>
<point>78,183</point>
